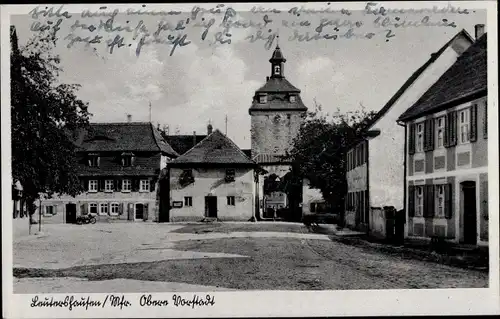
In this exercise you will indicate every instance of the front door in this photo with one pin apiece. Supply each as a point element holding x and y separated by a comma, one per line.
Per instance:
<point>470,213</point>
<point>70,213</point>
<point>139,211</point>
<point>211,206</point>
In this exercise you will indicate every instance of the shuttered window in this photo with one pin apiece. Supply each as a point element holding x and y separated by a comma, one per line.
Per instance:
<point>473,123</point>
<point>428,135</point>
<point>451,129</point>
<point>411,139</point>
<point>464,124</point>
<point>448,201</point>
<point>428,201</point>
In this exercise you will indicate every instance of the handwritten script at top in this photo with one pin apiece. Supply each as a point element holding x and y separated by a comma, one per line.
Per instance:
<point>223,25</point>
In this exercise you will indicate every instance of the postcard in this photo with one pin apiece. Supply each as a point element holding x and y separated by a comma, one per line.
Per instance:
<point>250,159</point>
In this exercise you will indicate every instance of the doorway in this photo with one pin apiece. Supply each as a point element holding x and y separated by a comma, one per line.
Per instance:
<point>139,211</point>
<point>470,212</point>
<point>211,206</point>
<point>70,213</point>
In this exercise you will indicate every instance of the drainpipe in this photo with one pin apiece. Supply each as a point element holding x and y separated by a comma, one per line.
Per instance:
<point>404,168</point>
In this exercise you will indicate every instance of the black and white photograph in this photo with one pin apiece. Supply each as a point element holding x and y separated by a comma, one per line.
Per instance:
<point>166,158</point>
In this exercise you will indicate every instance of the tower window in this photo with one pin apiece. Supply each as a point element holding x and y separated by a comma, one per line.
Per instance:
<point>276,69</point>
<point>263,99</point>
<point>293,98</point>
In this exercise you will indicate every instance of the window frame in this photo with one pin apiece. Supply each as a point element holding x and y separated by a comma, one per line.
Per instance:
<point>93,160</point>
<point>129,183</point>
<point>465,123</point>
<point>106,208</point>
<point>110,183</point>
<point>143,182</point>
<point>188,201</point>
<point>93,182</point>
<point>113,205</point>
<point>127,160</point>
<point>231,201</point>
<point>440,129</point>
<point>93,205</point>
<point>419,137</point>
<point>263,98</point>
<point>439,193</point>
<point>419,201</point>
<point>293,99</point>
<point>277,70</point>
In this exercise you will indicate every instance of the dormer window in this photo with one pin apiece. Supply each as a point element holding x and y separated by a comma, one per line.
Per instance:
<point>93,160</point>
<point>293,98</point>
<point>263,99</point>
<point>230,174</point>
<point>127,159</point>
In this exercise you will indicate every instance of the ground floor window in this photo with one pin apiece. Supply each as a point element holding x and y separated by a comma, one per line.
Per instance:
<point>419,201</point>
<point>188,201</point>
<point>93,208</point>
<point>50,210</point>
<point>103,209</point>
<point>230,200</point>
<point>115,209</point>
<point>439,194</point>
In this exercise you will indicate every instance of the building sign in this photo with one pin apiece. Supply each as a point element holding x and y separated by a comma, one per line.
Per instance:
<point>177,204</point>
<point>357,179</point>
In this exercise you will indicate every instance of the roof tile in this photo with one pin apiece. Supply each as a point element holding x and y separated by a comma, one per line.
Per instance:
<point>467,76</point>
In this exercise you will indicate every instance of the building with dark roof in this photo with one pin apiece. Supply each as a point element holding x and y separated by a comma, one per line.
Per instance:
<point>120,167</point>
<point>446,153</point>
<point>212,180</point>
<point>375,163</point>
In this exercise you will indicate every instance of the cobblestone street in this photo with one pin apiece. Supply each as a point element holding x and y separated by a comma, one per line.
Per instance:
<point>167,257</point>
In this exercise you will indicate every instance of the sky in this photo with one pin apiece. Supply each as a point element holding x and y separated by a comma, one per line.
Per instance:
<point>204,82</point>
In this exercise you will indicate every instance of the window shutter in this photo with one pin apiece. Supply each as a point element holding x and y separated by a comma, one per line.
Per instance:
<point>135,184</point>
<point>432,132</point>
<point>146,212</point>
<point>100,185</point>
<point>120,209</point>
<point>446,133</point>
<point>426,135</point>
<point>82,209</point>
<point>448,209</point>
<point>118,184</point>
<point>453,128</point>
<point>411,139</point>
<point>152,184</point>
<point>473,123</point>
<point>411,201</point>
<point>485,124</point>
<point>430,202</point>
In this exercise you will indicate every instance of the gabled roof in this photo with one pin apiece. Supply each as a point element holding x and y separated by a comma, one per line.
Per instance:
<point>137,136</point>
<point>434,56</point>
<point>216,148</point>
<point>183,143</point>
<point>465,80</point>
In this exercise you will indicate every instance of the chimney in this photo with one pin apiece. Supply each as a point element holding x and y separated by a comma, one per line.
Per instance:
<point>209,129</point>
<point>479,28</point>
<point>267,78</point>
<point>194,138</point>
<point>129,118</point>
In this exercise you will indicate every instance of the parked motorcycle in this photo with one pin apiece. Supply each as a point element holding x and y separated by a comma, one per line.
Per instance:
<point>86,219</point>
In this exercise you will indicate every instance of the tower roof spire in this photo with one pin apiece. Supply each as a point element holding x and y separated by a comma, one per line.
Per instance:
<point>277,56</point>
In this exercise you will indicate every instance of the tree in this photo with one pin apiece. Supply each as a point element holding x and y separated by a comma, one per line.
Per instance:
<point>320,149</point>
<point>45,117</point>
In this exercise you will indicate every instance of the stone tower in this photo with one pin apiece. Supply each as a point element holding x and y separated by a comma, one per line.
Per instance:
<point>276,113</point>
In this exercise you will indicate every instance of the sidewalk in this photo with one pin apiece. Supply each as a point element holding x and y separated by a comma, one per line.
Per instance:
<point>467,258</point>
